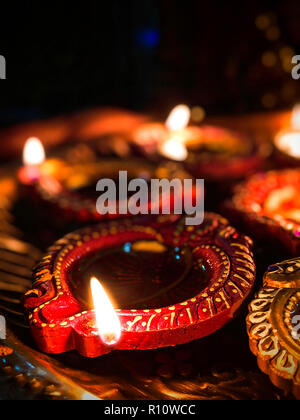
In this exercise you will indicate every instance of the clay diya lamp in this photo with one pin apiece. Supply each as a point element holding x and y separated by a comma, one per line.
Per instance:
<point>66,192</point>
<point>172,284</point>
<point>213,153</point>
<point>268,205</point>
<point>287,142</point>
<point>274,326</point>
<point>209,152</point>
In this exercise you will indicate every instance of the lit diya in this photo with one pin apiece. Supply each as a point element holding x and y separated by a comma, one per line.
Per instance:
<point>153,136</point>
<point>209,152</point>
<point>269,204</point>
<point>287,142</point>
<point>274,326</point>
<point>172,284</point>
<point>68,190</point>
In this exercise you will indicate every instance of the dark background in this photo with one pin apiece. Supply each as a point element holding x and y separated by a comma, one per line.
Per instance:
<point>147,55</point>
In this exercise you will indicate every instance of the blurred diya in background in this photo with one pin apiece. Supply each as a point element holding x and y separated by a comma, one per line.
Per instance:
<point>68,190</point>
<point>209,152</point>
<point>274,326</point>
<point>153,135</point>
<point>287,142</point>
<point>218,154</point>
<point>269,204</point>
<point>171,283</point>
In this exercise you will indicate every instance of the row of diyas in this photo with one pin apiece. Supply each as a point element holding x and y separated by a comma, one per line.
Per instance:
<point>68,191</point>
<point>60,322</point>
<point>208,151</point>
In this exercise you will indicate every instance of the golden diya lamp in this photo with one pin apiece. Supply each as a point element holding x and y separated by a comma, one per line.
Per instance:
<point>287,141</point>
<point>171,283</point>
<point>274,326</point>
<point>269,207</point>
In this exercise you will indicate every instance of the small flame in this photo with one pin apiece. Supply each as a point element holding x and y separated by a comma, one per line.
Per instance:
<point>108,323</point>
<point>175,149</point>
<point>296,117</point>
<point>178,118</point>
<point>34,152</point>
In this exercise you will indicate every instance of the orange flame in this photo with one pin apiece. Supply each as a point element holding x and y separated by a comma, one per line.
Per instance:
<point>178,118</point>
<point>174,147</point>
<point>108,323</point>
<point>34,152</point>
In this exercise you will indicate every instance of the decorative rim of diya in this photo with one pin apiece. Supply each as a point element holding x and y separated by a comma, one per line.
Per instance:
<point>249,201</point>
<point>59,190</point>
<point>270,326</point>
<point>57,319</point>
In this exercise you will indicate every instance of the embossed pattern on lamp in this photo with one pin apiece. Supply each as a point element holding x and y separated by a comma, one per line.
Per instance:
<point>199,300</point>
<point>271,328</point>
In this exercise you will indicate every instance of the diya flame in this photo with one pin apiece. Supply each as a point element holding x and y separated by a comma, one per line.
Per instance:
<point>34,157</point>
<point>174,147</point>
<point>34,152</point>
<point>108,323</point>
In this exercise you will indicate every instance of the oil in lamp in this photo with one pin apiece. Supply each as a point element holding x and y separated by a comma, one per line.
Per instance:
<point>172,284</point>
<point>273,326</point>
<point>287,142</point>
<point>268,205</point>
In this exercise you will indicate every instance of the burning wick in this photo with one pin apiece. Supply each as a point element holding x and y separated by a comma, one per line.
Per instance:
<point>108,323</point>
<point>288,141</point>
<point>33,157</point>
<point>175,148</point>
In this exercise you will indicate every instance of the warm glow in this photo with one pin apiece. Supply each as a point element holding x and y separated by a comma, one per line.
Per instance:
<point>179,118</point>
<point>288,141</point>
<point>296,117</point>
<point>108,323</point>
<point>174,149</point>
<point>34,152</point>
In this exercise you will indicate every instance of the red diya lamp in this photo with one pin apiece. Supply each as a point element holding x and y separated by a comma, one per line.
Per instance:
<point>68,191</point>
<point>209,152</point>
<point>287,142</point>
<point>174,284</point>
<point>269,204</point>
